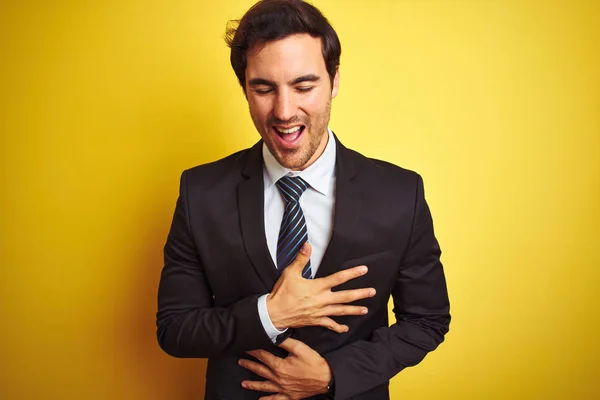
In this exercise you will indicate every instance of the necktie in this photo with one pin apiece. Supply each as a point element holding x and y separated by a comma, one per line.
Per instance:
<point>293,233</point>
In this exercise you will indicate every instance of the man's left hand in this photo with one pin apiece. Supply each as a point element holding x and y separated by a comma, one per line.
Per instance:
<point>303,373</point>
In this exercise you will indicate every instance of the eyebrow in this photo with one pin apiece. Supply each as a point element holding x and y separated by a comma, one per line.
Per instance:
<point>305,78</point>
<point>300,79</point>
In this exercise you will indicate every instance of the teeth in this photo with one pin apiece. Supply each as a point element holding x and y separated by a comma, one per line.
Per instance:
<point>287,131</point>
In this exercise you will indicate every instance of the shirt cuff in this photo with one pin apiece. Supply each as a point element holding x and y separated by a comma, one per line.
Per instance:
<point>267,324</point>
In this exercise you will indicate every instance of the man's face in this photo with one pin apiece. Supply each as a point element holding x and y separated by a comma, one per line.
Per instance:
<point>289,93</point>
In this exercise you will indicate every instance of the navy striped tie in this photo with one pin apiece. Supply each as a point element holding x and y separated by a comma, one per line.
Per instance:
<point>293,233</point>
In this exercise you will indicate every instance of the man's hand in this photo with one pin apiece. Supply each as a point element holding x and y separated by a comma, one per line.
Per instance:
<point>303,373</point>
<point>296,302</point>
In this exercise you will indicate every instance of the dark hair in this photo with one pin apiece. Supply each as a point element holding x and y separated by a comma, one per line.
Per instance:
<point>270,20</point>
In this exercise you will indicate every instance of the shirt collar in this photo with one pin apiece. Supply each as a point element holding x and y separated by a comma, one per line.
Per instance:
<point>317,175</point>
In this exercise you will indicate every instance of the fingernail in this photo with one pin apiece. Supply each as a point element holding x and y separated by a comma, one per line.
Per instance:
<point>346,329</point>
<point>363,270</point>
<point>364,311</point>
<point>304,248</point>
<point>373,292</point>
<point>244,385</point>
<point>240,362</point>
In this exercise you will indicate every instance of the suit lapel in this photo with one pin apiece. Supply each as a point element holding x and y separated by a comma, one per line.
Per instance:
<point>251,208</point>
<point>347,204</point>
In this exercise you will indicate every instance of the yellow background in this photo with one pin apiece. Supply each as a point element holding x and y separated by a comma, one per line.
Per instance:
<point>495,103</point>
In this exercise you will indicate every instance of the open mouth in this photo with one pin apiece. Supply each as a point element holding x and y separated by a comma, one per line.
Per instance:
<point>289,136</point>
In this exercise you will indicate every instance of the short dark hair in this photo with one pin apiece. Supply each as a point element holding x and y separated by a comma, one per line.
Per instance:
<point>270,20</point>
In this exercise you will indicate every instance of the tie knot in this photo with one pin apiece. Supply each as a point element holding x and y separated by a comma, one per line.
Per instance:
<point>292,188</point>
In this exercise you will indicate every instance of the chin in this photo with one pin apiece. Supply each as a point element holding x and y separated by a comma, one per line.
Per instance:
<point>293,162</point>
<point>287,163</point>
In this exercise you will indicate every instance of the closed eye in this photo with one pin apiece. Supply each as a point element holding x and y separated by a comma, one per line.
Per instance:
<point>263,91</point>
<point>305,89</point>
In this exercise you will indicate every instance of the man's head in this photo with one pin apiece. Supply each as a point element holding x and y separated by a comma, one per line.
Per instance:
<point>286,57</point>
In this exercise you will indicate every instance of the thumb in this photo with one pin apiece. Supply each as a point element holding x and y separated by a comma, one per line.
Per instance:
<point>294,346</point>
<point>301,259</point>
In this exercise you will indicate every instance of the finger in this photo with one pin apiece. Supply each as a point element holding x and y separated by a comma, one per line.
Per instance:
<point>348,296</point>
<point>301,259</point>
<point>330,324</point>
<point>267,358</point>
<point>264,386</point>
<point>339,310</point>
<point>258,369</point>
<point>343,276</point>
<point>278,396</point>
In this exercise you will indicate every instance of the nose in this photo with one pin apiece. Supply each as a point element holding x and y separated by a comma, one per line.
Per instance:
<point>284,108</point>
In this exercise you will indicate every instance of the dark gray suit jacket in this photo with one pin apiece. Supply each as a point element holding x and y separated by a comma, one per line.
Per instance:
<point>217,264</point>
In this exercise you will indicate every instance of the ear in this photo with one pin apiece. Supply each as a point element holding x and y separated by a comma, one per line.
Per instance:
<point>336,82</point>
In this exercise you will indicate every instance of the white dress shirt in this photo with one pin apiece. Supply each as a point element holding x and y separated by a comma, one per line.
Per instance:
<point>317,204</point>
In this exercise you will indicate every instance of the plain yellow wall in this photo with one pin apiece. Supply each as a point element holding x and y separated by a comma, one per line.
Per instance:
<point>495,103</point>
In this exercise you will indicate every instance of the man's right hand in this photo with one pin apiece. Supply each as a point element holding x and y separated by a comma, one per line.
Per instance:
<point>295,302</point>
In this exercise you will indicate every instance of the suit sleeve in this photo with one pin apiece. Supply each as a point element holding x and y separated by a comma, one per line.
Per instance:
<point>188,323</point>
<point>421,307</point>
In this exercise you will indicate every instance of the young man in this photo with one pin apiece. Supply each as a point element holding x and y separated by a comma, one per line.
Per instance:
<point>281,258</point>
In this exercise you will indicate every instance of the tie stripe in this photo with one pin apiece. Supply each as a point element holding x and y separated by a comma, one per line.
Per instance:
<point>293,233</point>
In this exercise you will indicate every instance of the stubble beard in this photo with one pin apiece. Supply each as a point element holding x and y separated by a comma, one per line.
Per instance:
<point>297,159</point>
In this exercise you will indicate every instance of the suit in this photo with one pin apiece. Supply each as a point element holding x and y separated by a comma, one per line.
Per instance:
<point>217,264</point>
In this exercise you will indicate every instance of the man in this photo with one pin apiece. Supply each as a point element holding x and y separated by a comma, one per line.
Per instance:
<point>277,317</point>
